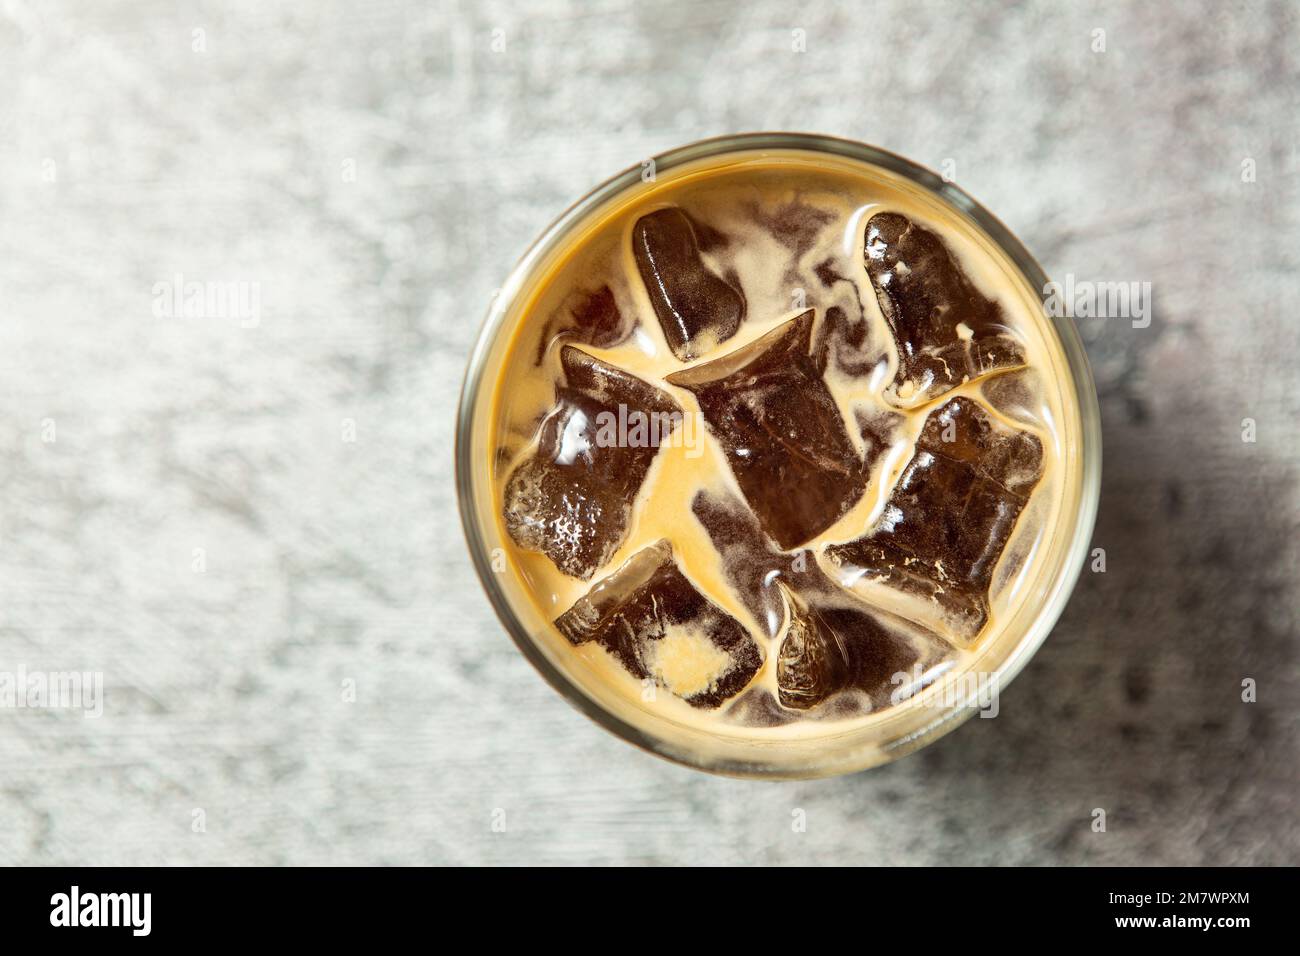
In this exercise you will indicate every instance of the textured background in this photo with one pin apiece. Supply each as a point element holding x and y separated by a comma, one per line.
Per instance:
<point>377,168</point>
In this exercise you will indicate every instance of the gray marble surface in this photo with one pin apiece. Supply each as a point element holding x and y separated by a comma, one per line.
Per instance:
<point>183,510</point>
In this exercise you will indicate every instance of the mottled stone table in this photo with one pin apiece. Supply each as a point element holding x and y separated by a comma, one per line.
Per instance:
<point>238,518</point>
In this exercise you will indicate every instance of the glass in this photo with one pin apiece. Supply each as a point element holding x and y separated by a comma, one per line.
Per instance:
<point>902,728</point>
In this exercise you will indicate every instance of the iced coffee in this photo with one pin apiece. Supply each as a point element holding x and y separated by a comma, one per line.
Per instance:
<point>777,444</point>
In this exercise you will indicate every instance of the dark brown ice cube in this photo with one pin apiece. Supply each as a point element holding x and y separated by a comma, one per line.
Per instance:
<point>753,567</point>
<point>696,308</point>
<point>946,331</point>
<point>782,432</point>
<point>949,517</point>
<point>572,498</point>
<point>591,317</point>
<point>655,622</point>
<point>831,643</point>
<point>830,647</point>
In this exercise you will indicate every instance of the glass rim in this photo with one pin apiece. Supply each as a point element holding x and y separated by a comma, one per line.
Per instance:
<point>1060,587</point>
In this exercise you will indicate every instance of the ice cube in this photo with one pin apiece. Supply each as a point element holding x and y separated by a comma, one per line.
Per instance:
<point>655,622</point>
<point>946,331</point>
<point>591,317</point>
<point>832,642</point>
<point>572,498</point>
<point>948,519</point>
<point>831,647</point>
<point>782,432</point>
<point>696,308</point>
<point>753,567</point>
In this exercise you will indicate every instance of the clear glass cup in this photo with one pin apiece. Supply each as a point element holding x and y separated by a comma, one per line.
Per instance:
<point>894,732</point>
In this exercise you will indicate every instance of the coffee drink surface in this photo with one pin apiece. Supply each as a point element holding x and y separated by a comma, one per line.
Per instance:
<point>777,444</point>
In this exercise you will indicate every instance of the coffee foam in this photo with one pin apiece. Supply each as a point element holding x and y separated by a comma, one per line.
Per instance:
<point>774,258</point>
